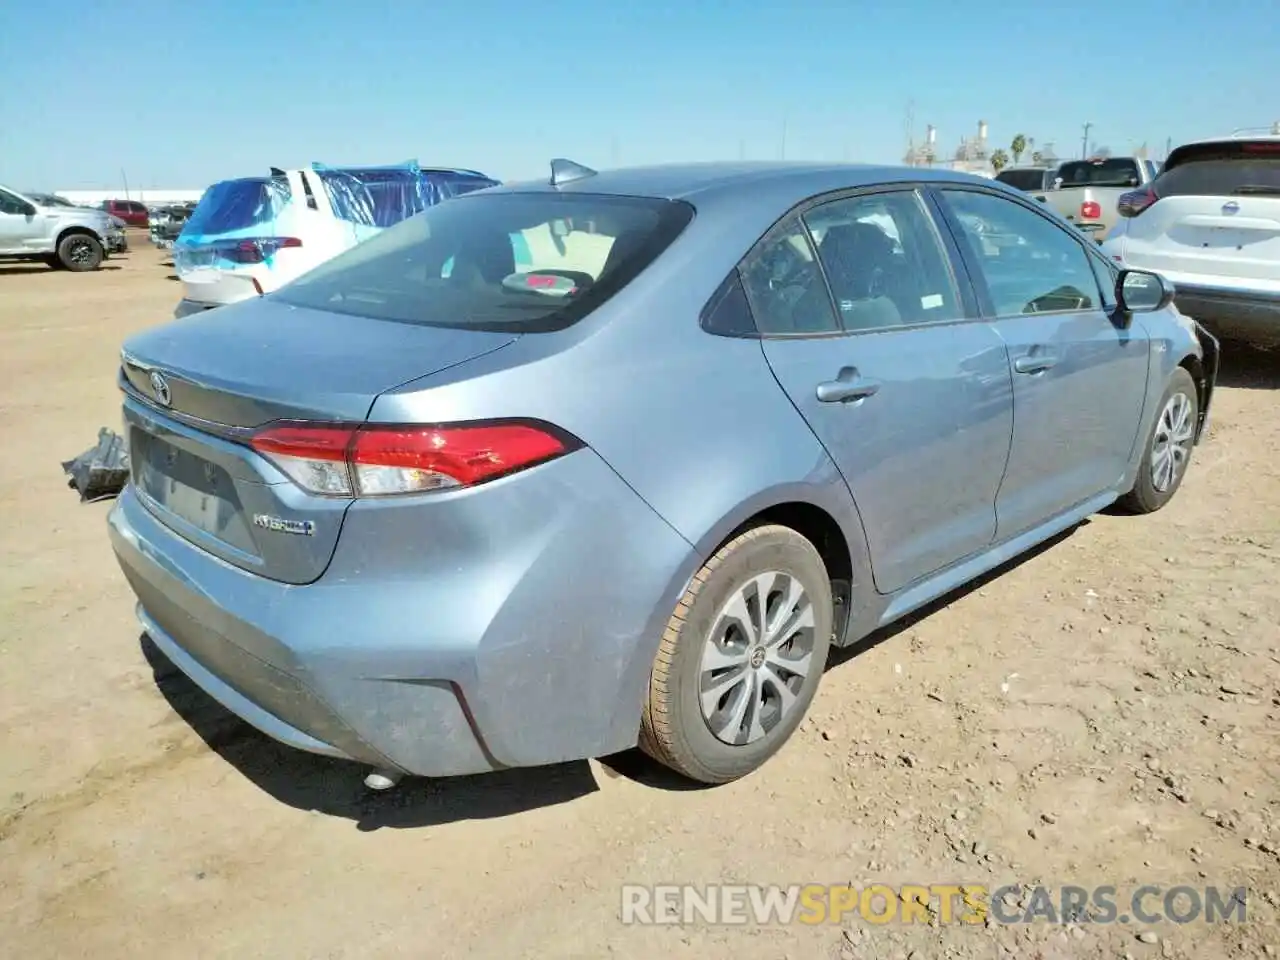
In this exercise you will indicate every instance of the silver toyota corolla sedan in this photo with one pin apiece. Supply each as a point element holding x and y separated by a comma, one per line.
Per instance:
<point>560,467</point>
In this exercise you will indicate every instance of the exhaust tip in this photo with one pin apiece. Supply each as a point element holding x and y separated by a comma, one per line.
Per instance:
<point>382,779</point>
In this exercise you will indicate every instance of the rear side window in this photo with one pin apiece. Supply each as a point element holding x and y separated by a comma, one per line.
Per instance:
<point>1230,169</point>
<point>784,282</point>
<point>520,262</point>
<point>1022,179</point>
<point>137,207</point>
<point>236,205</point>
<point>884,261</point>
<point>1100,173</point>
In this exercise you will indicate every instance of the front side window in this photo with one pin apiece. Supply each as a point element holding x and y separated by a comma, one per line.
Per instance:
<point>1028,263</point>
<point>11,204</point>
<point>509,261</point>
<point>884,261</point>
<point>785,285</point>
<point>1107,276</point>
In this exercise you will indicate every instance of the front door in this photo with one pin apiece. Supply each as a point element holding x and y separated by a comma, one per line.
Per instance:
<point>864,328</point>
<point>1079,376</point>
<point>18,227</point>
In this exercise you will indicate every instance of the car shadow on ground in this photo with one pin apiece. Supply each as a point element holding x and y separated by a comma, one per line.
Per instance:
<point>336,788</point>
<point>842,655</point>
<point>1248,368</point>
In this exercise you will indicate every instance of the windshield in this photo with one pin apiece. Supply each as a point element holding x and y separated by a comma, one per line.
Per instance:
<point>1222,170</point>
<point>1100,173</point>
<point>521,262</point>
<point>1023,179</point>
<point>236,204</point>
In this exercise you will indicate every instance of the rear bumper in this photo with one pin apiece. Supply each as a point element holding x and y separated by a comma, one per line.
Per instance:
<point>515,630</point>
<point>1233,315</point>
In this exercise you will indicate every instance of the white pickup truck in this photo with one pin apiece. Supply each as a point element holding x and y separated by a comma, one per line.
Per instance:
<point>75,238</point>
<point>1087,192</point>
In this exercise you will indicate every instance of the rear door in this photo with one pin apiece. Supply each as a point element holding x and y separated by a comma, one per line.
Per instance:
<point>872,338</point>
<point>1079,379</point>
<point>1215,219</point>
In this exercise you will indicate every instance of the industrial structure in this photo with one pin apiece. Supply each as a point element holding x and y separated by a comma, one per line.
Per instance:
<point>973,154</point>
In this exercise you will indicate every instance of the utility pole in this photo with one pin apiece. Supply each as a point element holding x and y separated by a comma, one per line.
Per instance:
<point>1084,143</point>
<point>126,183</point>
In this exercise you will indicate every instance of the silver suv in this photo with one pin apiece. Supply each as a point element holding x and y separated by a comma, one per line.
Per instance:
<point>76,238</point>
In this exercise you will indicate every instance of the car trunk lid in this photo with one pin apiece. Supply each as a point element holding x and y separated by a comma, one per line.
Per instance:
<point>196,389</point>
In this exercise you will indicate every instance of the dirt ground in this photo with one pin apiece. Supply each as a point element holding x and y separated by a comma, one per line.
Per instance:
<point>1103,712</point>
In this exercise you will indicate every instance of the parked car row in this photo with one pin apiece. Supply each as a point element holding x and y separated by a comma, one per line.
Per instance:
<point>43,227</point>
<point>1210,223</point>
<point>252,235</point>
<point>1084,192</point>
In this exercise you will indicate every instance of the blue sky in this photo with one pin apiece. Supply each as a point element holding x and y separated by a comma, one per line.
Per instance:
<point>179,94</point>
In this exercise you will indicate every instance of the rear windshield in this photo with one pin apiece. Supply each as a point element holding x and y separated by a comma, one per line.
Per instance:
<point>1223,170</point>
<point>526,263</point>
<point>235,205</point>
<point>1100,173</point>
<point>1023,179</point>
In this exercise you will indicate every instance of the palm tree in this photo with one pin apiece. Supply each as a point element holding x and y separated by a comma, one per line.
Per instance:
<point>999,160</point>
<point>1018,147</point>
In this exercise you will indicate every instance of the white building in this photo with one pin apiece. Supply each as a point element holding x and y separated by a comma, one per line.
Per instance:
<point>92,198</point>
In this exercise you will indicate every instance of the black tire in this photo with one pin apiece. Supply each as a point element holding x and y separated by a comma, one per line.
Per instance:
<point>1146,496</point>
<point>673,730</point>
<point>80,252</point>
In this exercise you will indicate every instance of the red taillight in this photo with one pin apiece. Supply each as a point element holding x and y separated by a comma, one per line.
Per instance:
<point>257,249</point>
<point>376,460</point>
<point>1090,210</point>
<point>1135,201</point>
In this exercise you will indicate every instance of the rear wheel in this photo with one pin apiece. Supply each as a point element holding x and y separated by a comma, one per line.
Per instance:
<point>80,252</point>
<point>1168,448</point>
<point>741,657</point>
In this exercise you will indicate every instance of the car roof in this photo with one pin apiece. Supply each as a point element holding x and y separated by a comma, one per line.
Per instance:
<point>689,181</point>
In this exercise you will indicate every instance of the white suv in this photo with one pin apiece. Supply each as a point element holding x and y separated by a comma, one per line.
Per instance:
<point>251,236</point>
<point>1210,223</point>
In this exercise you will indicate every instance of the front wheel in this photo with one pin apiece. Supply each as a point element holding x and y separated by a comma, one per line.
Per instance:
<point>80,252</point>
<point>741,657</point>
<point>1168,449</point>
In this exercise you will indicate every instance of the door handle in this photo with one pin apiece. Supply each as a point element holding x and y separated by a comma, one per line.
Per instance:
<point>1034,363</point>
<point>848,385</point>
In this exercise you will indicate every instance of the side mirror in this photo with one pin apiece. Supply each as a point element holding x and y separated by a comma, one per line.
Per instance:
<point>1139,291</point>
<point>29,210</point>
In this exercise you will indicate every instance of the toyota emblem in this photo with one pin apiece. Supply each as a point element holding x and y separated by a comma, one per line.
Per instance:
<point>160,387</point>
